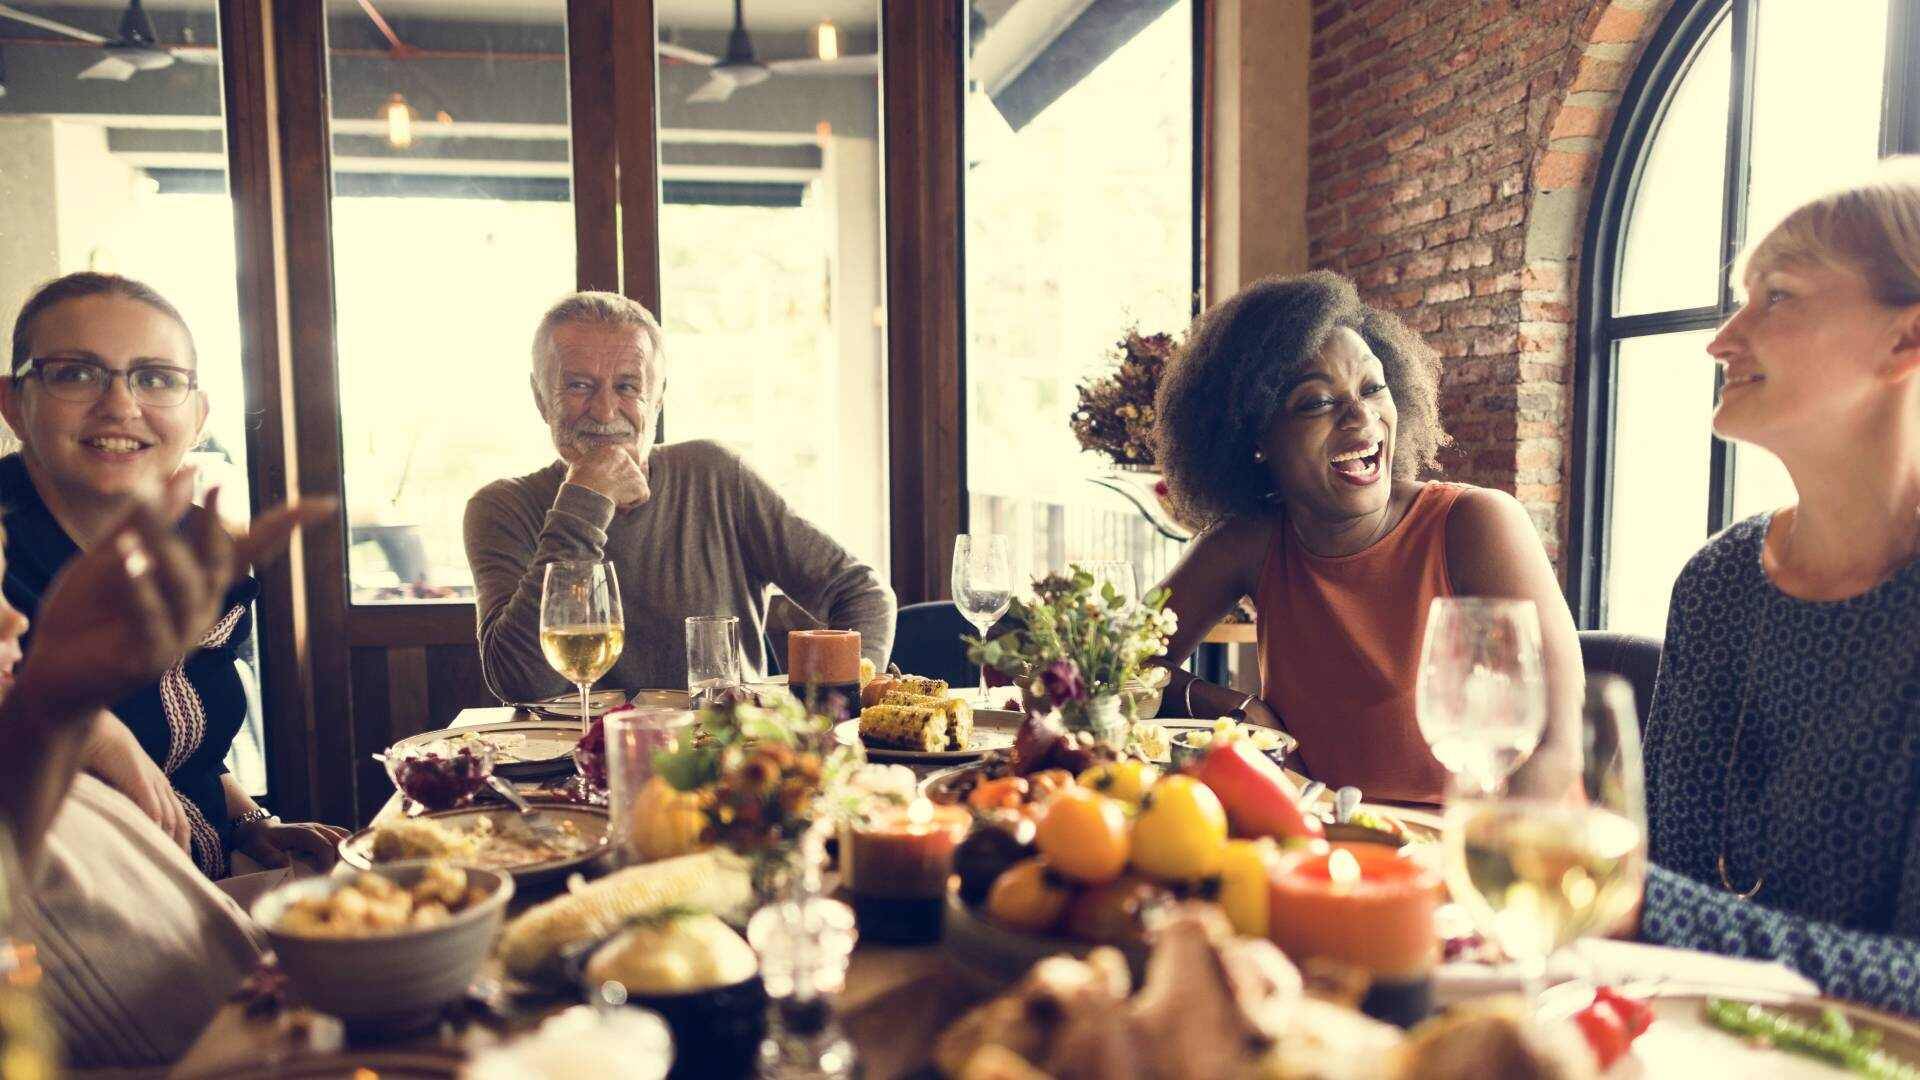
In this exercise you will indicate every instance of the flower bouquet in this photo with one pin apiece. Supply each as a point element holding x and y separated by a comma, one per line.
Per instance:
<point>1082,651</point>
<point>1116,415</point>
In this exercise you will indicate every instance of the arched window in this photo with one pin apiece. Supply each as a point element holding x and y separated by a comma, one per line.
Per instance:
<point>1738,112</point>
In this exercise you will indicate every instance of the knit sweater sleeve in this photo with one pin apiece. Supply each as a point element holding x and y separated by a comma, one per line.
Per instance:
<point>811,567</point>
<point>1881,970</point>
<point>510,540</point>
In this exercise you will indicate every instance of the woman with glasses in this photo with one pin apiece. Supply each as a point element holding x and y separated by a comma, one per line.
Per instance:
<point>103,396</point>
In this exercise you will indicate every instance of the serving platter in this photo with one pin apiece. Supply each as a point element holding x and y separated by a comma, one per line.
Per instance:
<point>847,732</point>
<point>522,749</point>
<point>567,706</point>
<point>592,823</point>
<point>1683,1042</point>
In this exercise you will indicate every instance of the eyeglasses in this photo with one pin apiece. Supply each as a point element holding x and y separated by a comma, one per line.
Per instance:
<point>88,381</point>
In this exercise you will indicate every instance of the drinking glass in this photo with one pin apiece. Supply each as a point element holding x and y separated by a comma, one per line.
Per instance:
<point>982,583</point>
<point>713,657</point>
<point>582,627</point>
<point>1119,575</point>
<point>1481,694</point>
<point>634,736</point>
<point>1537,873</point>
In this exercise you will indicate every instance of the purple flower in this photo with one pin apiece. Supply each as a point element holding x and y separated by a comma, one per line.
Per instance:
<point>1061,681</point>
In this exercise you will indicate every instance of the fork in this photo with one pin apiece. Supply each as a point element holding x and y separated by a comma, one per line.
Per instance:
<point>533,819</point>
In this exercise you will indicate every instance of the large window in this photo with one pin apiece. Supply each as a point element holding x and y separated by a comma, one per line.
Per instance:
<point>1079,222</point>
<point>1740,112</point>
<point>771,266</point>
<point>115,163</point>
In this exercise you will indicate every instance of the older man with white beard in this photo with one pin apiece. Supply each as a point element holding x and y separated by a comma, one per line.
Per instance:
<point>690,528</point>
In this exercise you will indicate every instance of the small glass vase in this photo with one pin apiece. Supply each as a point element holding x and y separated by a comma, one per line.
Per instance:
<point>1105,716</point>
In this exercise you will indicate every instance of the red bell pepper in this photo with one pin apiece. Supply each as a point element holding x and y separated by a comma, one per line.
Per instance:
<point>1259,799</point>
<point>1611,1023</point>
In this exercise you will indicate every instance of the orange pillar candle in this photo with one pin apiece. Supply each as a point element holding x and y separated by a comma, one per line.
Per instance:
<point>896,866</point>
<point>1365,906</point>
<point>823,657</point>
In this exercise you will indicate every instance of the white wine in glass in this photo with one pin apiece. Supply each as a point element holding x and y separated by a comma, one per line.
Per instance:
<point>1481,693</point>
<point>982,584</point>
<point>582,627</point>
<point>1537,874</point>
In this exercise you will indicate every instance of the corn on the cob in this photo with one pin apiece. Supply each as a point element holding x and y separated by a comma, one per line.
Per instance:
<point>907,727</point>
<point>920,684</point>
<point>959,714</point>
<point>531,946</point>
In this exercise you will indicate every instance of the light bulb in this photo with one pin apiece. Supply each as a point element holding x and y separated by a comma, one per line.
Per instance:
<point>399,122</point>
<point>826,43</point>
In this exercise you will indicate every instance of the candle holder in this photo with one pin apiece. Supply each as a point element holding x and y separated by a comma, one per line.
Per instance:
<point>895,867</point>
<point>1366,907</point>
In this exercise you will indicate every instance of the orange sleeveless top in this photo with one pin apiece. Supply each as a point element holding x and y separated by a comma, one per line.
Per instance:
<point>1340,646</point>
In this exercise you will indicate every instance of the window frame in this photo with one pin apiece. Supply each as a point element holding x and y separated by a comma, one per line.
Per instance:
<point>1663,66</point>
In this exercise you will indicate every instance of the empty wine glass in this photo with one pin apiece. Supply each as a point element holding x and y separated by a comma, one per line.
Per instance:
<point>1481,695</point>
<point>982,583</point>
<point>1537,873</point>
<point>713,657</point>
<point>1118,574</point>
<point>582,627</point>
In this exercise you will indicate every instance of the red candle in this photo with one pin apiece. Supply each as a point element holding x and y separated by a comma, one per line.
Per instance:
<point>823,657</point>
<point>1358,904</point>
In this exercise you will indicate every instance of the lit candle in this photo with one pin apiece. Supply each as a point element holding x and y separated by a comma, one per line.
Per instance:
<point>896,867</point>
<point>1365,906</point>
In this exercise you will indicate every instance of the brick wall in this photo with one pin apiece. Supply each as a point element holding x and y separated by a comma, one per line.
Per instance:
<point>1452,146</point>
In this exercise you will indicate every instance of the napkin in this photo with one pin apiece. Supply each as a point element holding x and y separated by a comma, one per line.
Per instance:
<point>1609,962</point>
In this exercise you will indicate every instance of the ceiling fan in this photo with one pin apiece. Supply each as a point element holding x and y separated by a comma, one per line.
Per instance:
<point>137,48</point>
<point>740,67</point>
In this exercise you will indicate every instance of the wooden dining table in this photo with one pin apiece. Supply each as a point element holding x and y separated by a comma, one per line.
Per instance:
<point>895,1002</point>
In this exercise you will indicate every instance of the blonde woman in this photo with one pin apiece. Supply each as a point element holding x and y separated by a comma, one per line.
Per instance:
<point>1783,747</point>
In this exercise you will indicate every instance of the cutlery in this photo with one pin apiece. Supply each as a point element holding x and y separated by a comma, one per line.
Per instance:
<point>1345,802</point>
<point>534,821</point>
<point>1312,792</point>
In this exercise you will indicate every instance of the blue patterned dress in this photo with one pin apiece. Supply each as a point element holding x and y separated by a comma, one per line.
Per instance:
<point>1822,793</point>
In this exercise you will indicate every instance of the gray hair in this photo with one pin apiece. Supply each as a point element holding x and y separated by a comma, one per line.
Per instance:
<point>596,308</point>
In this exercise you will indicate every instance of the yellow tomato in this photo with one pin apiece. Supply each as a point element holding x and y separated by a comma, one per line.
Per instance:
<point>1127,780</point>
<point>1181,833</point>
<point>1246,885</point>
<point>1083,836</point>
<point>1024,898</point>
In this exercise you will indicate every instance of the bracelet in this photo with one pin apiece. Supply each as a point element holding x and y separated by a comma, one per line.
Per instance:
<point>1186,696</point>
<point>257,814</point>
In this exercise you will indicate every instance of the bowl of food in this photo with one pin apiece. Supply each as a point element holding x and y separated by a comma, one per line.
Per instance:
<point>439,775</point>
<point>701,977</point>
<point>389,945</point>
<point>1191,744</point>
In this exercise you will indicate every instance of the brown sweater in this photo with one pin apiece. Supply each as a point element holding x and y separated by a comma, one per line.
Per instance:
<point>710,541</point>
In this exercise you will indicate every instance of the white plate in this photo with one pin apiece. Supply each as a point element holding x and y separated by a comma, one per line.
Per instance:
<point>522,749</point>
<point>848,733</point>
<point>591,821</point>
<point>1683,1042</point>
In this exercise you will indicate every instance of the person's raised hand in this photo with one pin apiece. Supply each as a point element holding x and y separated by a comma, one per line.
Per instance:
<point>613,471</point>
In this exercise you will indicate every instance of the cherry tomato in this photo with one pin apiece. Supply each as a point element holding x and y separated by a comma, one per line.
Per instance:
<point>1027,898</point>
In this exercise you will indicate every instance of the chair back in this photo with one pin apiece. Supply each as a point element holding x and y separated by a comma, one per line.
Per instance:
<point>1630,656</point>
<point>927,641</point>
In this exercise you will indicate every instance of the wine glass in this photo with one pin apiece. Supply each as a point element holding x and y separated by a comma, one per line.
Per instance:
<point>713,657</point>
<point>1481,693</point>
<point>982,583</point>
<point>582,628</point>
<point>1537,873</point>
<point>1118,574</point>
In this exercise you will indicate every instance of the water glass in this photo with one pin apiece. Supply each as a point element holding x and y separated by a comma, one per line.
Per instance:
<point>582,626</point>
<point>633,737</point>
<point>713,657</point>
<point>982,583</point>
<point>1481,693</point>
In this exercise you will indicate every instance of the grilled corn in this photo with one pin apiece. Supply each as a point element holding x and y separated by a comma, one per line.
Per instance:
<point>532,944</point>
<point>959,714</point>
<point>905,727</point>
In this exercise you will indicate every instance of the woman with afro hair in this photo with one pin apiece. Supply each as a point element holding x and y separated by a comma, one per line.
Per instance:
<point>1293,431</point>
